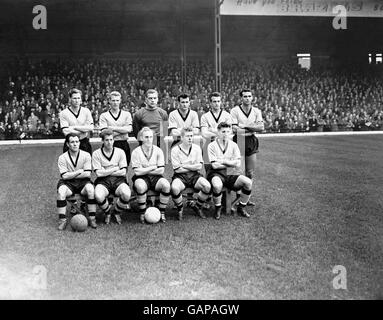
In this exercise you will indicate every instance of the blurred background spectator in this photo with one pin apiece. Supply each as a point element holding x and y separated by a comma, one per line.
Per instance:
<point>291,99</point>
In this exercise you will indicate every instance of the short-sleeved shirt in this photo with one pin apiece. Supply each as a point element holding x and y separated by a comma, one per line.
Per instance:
<point>123,119</point>
<point>239,116</point>
<point>177,121</point>
<point>231,152</point>
<point>141,160</point>
<point>83,118</point>
<point>101,161</point>
<point>179,156</point>
<point>67,164</point>
<point>209,120</point>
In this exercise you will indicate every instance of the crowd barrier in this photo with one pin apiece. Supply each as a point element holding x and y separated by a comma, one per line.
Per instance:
<point>170,138</point>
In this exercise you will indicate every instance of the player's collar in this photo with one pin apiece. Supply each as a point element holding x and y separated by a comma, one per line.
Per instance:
<point>71,160</point>
<point>246,114</point>
<point>78,113</point>
<point>111,156</point>
<point>219,115</point>
<point>149,108</point>
<point>182,150</point>
<point>148,157</point>
<point>115,118</point>
<point>225,147</point>
<point>187,114</point>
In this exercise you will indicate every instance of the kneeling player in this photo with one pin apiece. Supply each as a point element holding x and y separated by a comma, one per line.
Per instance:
<point>187,163</point>
<point>110,166</point>
<point>149,165</point>
<point>225,159</point>
<point>75,167</point>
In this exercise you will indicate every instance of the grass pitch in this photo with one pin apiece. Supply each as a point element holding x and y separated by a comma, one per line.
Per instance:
<point>318,204</point>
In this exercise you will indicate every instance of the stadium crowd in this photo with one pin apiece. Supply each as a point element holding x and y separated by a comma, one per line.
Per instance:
<point>291,99</point>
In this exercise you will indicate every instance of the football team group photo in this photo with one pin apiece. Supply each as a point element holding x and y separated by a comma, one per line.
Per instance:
<point>184,151</point>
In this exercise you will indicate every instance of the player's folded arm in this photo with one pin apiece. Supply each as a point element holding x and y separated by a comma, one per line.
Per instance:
<point>140,171</point>
<point>232,163</point>
<point>84,129</point>
<point>158,171</point>
<point>194,167</point>
<point>259,126</point>
<point>119,173</point>
<point>121,130</point>
<point>62,174</point>
<point>216,165</point>
<point>85,174</point>
<point>69,175</point>
<point>101,172</point>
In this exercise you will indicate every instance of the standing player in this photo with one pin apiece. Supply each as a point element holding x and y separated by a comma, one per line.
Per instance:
<point>75,168</point>
<point>151,116</point>
<point>187,163</point>
<point>211,119</point>
<point>181,118</point>
<point>120,121</point>
<point>109,165</point>
<point>225,158</point>
<point>77,120</point>
<point>247,120</point>
<point>149,165</point>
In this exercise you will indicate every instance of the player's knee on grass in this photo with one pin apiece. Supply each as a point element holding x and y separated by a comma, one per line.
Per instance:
<point>177,187</point>
<point>243,182</point>
<point>100,193</point>
<point>247,183</point>
<point>63,192</point>
<point>216,184</point>
<point>89,191</point>
<point>140,186</point>
<point>163,185</point>
<point>124,192</point>
<point>204,185</point>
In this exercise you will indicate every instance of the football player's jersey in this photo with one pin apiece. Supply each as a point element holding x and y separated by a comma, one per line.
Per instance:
<point>101,161</point>
<point>230,152</point>
<point>239,116</point>
<point>177,121</point>
<point>179,156</point>
<point>67,164</point>
<point>123,119</point>
<point>83,118</point>
<point>209,120</point>
<point>141,160</point>
<point>156,119</point>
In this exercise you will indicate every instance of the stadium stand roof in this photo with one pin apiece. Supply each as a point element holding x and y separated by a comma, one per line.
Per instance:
<point>157,27</point>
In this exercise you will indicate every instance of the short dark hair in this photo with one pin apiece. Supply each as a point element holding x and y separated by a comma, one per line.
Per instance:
<point>182,96</point>
<point>106,132</point>
<point>223,125</point>
<point>69,135</point>
<point>74,90</point>
<point>244,90</point>
<point>214,94</point>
